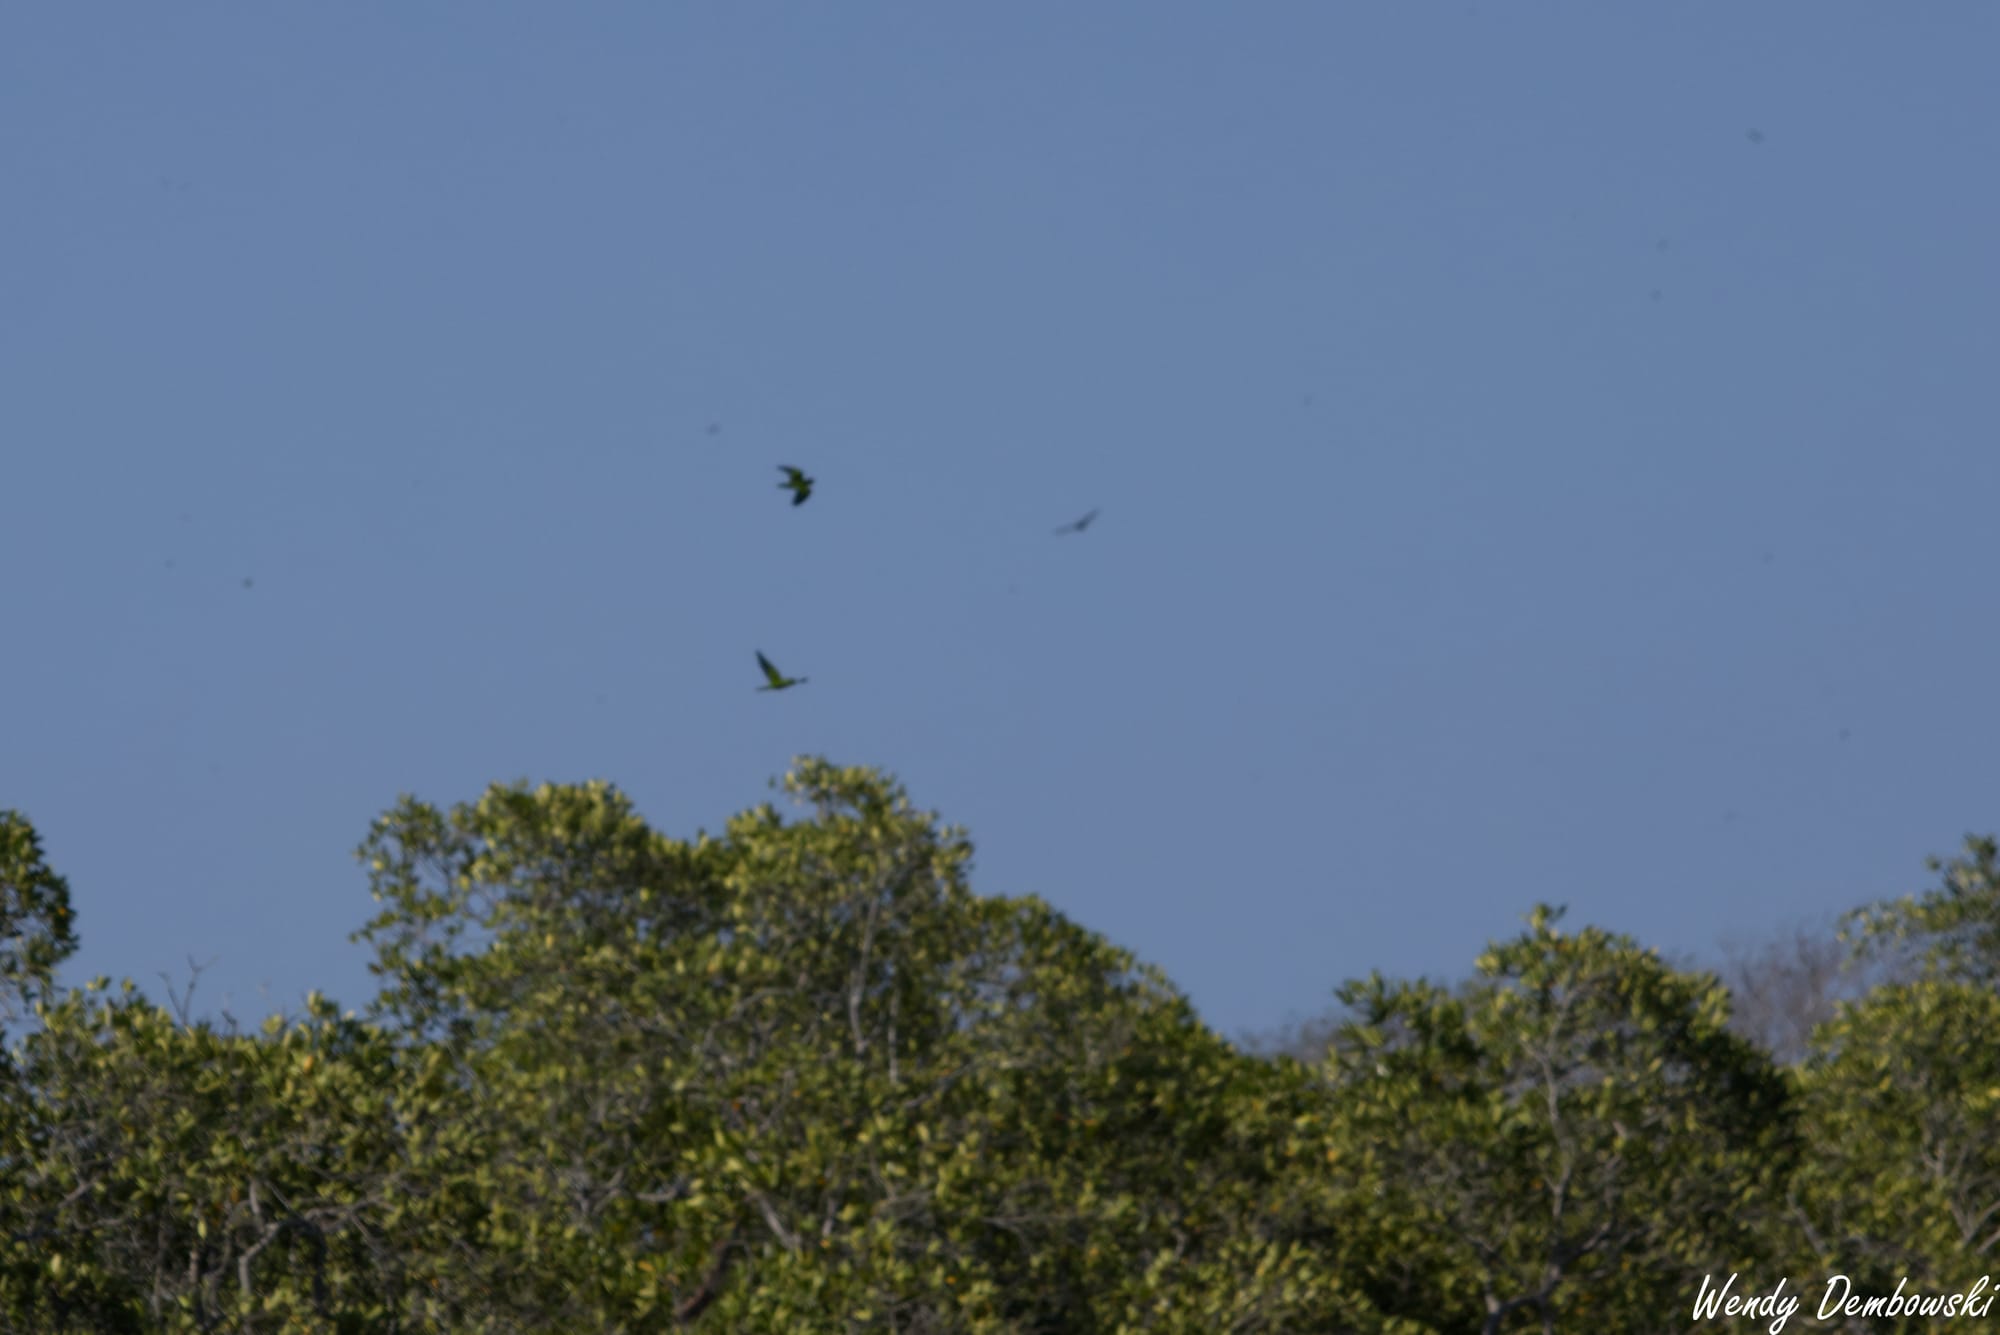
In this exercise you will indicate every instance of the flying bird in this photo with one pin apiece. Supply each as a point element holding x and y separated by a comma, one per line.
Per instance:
<point>779,681</point>
<point>1079,526</point>
<point>795,482</point>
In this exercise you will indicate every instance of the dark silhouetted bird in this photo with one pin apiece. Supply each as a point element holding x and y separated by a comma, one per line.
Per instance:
<point>796,482</point>
<point>1079,526</point>
<point>779,681</point>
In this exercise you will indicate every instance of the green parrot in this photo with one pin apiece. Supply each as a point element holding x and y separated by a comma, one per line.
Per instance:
<point>779,681</point>
<point>795,482</point>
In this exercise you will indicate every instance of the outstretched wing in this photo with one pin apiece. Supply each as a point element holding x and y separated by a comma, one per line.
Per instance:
<point>771,674</point>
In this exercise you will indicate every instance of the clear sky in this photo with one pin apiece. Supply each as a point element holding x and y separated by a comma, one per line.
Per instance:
<point>1545,452</point>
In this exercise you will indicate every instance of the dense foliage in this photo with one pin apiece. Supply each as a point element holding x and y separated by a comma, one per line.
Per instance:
<point>800,1077</point>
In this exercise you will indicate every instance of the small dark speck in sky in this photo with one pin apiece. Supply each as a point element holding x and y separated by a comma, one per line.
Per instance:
<point>715,428</point>
<point>1755,136</point>
<point>170,563</point>
<point>1845,734</point>
<point>1769,556</point>
<point>1656,294</point>
<point>1663,245</point>
<point>1077,526</point>
<point>247,581</point>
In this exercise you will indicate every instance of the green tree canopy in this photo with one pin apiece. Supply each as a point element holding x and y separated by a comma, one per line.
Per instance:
<point>1570,1141</point>
<point>37,924</point>
<point>1900,1101</point>
<point>1953,930</point>
<point>797,1075</point>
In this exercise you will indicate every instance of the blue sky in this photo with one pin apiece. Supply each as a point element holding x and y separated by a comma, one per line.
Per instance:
<point>1544,452</point>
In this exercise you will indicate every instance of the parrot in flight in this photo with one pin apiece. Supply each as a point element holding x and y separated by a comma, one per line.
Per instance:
<point>1079,526</point>
<point>779,681</point>
<point>796,482</point>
